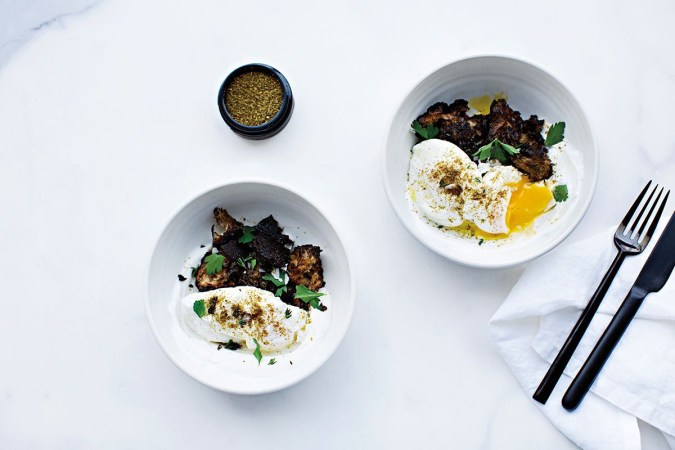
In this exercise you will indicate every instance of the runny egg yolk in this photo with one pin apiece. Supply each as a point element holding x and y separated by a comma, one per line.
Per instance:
<point>528,201</point>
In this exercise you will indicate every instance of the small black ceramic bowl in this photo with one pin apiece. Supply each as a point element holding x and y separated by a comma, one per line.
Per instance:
<point>276,123</point>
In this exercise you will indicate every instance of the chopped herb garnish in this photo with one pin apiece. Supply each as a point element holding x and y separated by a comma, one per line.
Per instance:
<point>256,352</point>
<point>247,236</point>
<point>560,193</point>
<point>242,261</point>
<point>242,322</point>
<point>428,132</point>
<point>477,179</point>
<point>279,283</point>
<point>495,150</point>
<point>309,296</point>
<point>480,242</point>
<point>555,134</point>
<point>194,271</point>
<point>254,262</point>
<point>199,308</point>
<point>272,362</point>
<point>287,313</point>
<point>214,263</point>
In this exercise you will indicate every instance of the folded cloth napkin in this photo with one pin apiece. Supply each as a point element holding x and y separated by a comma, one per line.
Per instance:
<point>638,380</point>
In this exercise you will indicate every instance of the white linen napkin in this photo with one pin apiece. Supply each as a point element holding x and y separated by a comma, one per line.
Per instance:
<point>638,380</point>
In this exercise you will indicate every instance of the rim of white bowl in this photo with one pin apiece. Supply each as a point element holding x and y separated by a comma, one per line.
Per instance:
<point>309,369</point>
<point>489,264</point>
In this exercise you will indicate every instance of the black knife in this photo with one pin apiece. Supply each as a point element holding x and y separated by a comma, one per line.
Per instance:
<point>652,278</point>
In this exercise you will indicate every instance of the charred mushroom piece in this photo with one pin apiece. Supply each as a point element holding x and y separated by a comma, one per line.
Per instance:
<point>224,278</point>
<point>229,227</point>
<point>269,252</point>
<point>253,277</point>
<point>226,221</point>
<point>505,123</point>
<point>270,243</point>
<point>454,125</point>
<point>531,133</point>
<point>305,267</point>
<point>536,164</point>
<point>233,250</point>
<point>270,228</point>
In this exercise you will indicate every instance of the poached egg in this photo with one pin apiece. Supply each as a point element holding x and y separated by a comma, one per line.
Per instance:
<point>245,313</point>
<point>449,189</point>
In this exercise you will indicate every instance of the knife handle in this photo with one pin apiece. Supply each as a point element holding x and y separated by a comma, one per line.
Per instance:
<point>558,365</point>
<point>598,357</point>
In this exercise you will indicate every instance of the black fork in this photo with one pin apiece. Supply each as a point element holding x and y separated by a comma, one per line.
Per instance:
<point>629,240</point>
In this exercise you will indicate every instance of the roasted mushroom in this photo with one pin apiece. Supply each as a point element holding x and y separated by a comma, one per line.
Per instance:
<point>534,163</point>
<point>270,244</point>
<point>472,132</point>
<point>305,267</point>
<point>229,227</point>
<point>224,278</point>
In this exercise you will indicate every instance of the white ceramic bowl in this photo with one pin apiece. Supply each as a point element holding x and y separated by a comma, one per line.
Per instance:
<point>190,227</point>
<point>530,90</point>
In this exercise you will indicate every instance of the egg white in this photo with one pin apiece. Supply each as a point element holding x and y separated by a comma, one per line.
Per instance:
<point>280,333</point>
<point>481,199</point>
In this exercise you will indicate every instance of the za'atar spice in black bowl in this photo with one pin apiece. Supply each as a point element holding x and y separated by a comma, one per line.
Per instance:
<point>255,101</point>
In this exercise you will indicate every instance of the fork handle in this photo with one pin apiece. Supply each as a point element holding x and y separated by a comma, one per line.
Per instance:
<point>554,373</point>
<point>591,368</point>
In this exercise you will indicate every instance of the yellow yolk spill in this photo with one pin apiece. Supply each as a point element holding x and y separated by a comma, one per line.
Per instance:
<point>528,201</point>
<point>483,102</point>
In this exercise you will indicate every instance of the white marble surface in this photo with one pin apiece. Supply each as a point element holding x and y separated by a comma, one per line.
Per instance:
<point>108,122</point>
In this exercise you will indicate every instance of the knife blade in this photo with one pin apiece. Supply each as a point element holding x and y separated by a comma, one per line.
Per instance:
<point>659,265</point>
<point>652,278</point>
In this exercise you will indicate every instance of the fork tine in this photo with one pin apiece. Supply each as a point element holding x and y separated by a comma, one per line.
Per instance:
<point>631,211</point>
<point>651,210</point>
<point>652,227</point>
<point>642,211</point>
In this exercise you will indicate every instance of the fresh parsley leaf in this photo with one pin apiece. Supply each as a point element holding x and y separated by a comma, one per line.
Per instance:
<point>287,313</point>
<point>214,263</point>
<point>277,282</point>
<point>481,241</point>
<point>257,353</point>
<point>495,150</point>
<point>484,152</point>
<point>247,236</point>
<point>428,132</point>
<point>254,262</point>
<point>316,304</point>
<point>194,271</point>
<point>477,179</point>
<point>309,296</point>
<point>280,291</point>
<point>560,193</point>
<point>199,308</point>
<point>242,322</point>
<point>272,362</point>
<point>555,134</point>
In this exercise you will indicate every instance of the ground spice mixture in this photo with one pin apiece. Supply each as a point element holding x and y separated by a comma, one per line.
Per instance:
<point>253,98</point>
